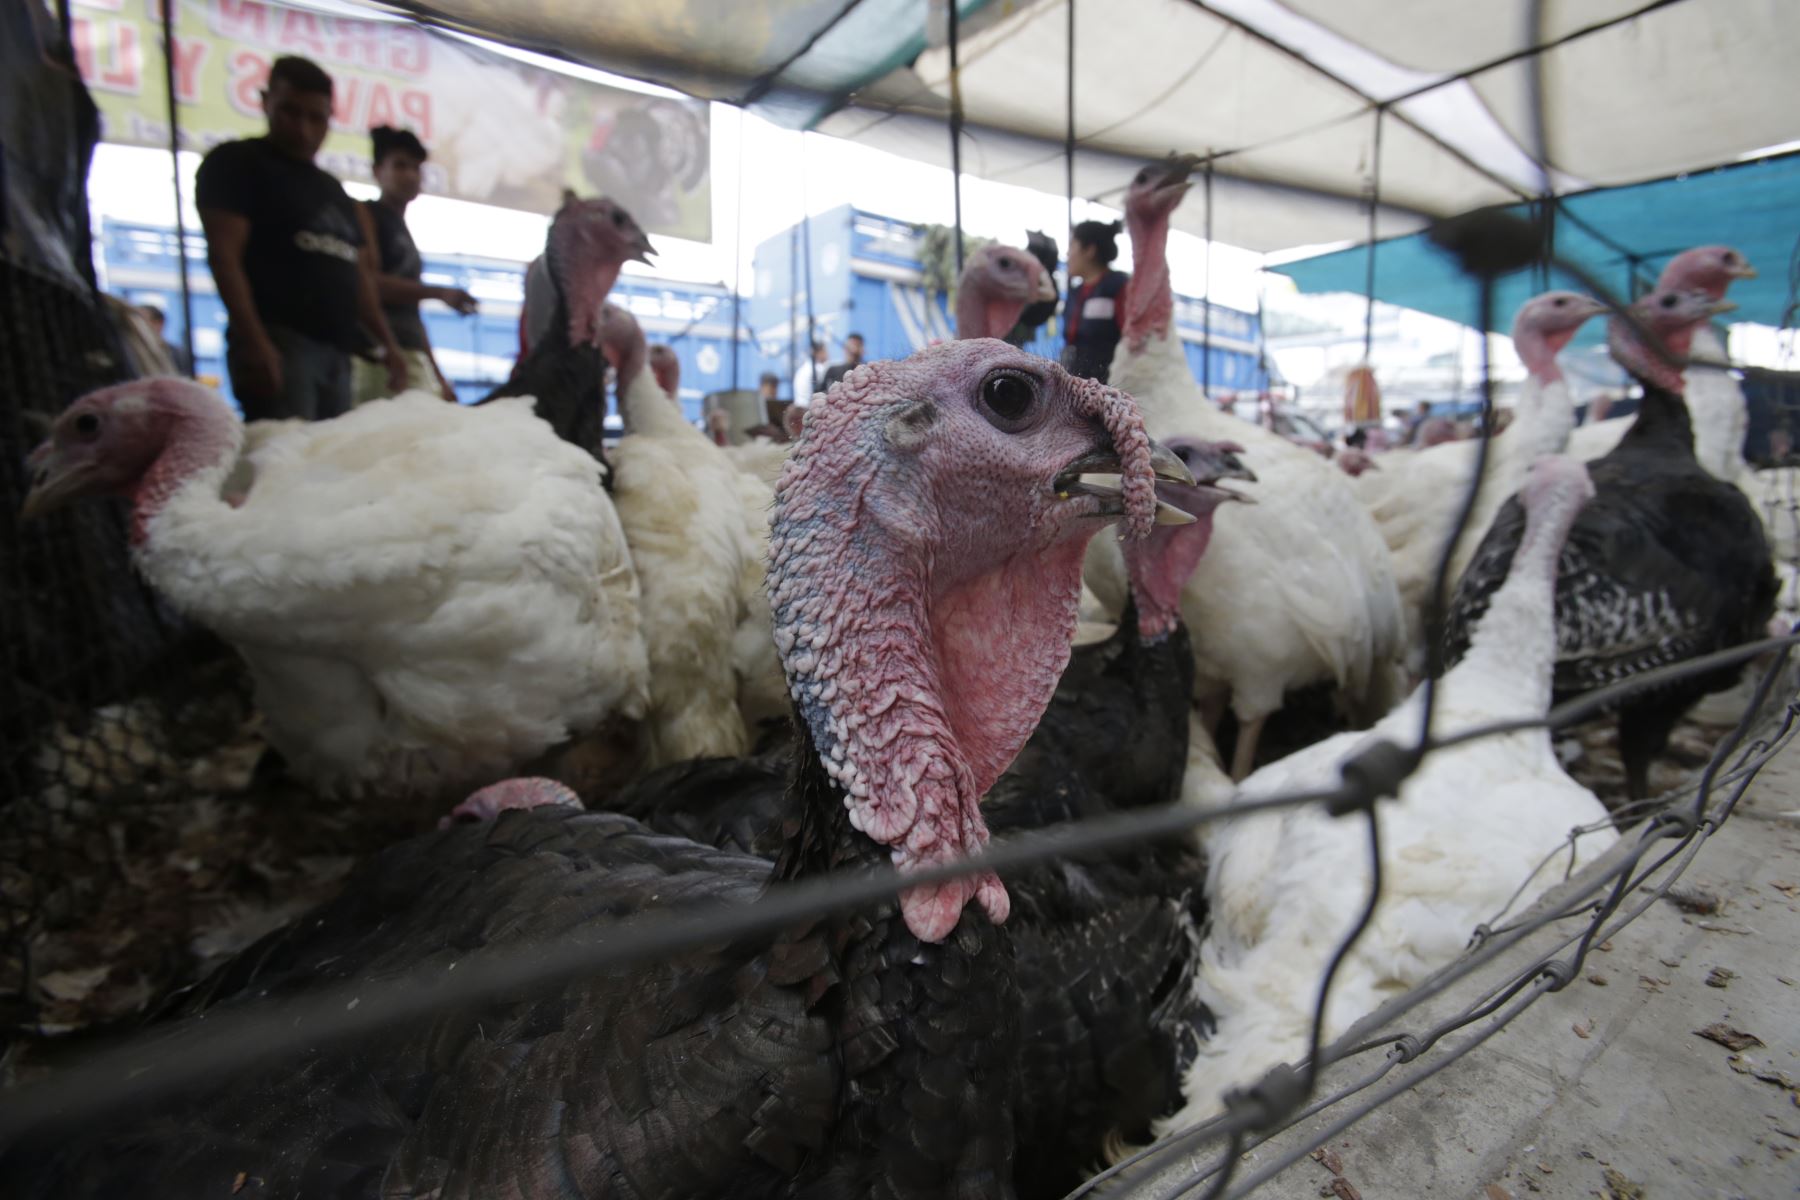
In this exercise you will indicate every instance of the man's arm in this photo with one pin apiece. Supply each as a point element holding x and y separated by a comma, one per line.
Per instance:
<point>227,235</point>
<point>368,304</point>
<point>394,290</point>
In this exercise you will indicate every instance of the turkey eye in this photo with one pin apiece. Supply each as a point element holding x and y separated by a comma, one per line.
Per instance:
<point>87,424</point>
<point>1008,397</point>
<point>1561,300</point>
<point>618,217</point>
<point>1668,301</point>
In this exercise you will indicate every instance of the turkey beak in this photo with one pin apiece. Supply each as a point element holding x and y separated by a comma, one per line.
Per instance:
<point>1046,287</point>
<point>1215,464</point>
<point>1177,168</point>
<point>642,250</point>
<point>53,483</point>
<point>1165,465</point>
<point>1744,272</point>
<point>1720,307</point>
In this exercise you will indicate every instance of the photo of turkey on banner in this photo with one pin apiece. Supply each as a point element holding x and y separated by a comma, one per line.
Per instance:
<point>500,132</point>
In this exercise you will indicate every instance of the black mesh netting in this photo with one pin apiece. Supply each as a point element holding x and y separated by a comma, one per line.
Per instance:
<point>105,697</point>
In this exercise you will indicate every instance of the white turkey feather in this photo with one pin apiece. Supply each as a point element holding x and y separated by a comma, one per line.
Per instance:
<point>1471,825</point>
<point>428,595</point>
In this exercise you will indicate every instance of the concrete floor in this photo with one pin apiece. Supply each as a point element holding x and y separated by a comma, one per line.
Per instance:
<point>1604,1088</point>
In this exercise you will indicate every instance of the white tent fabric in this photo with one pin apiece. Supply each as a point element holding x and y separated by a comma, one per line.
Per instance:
<point>1284,94</point>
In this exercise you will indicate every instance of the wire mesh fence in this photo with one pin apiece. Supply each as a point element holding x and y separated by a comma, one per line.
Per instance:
<point>110,702</point>
<point>107,699</point>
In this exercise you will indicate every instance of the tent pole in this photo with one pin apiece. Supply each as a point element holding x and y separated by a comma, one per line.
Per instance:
<point>181,255</point>
<point>1369,276</point>
<point>1263,384</point>
<point>737,265</point>
<point>1206,347</point>
<point>1069,124</point>
<point>812,336</point>
<point>956,127</point>
<point>794,303</point>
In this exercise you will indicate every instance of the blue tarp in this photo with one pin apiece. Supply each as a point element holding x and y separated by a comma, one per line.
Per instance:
<point>1754,207</point>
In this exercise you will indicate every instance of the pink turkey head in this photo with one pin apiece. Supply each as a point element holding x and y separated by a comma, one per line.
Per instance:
<point>141,439</point>
<point>1671,316</point>
<point>997,283</point>
<point>1160,565</point>
<point>590,240</point>
<point>666,367</point>
<point>925,574</point>
<point>1545,324</point>
<point>1149,302</point>
<point>1157,189</point>
<point>1708,269</point>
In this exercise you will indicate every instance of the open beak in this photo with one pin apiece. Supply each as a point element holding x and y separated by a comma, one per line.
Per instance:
<point>1211,465</point>
<point>642,250</point>
<point>1165,465</point>
<point>52,484</point>
<point>1176,169</point>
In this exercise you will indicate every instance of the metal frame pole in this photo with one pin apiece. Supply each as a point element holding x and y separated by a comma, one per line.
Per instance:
<point>181,255</point>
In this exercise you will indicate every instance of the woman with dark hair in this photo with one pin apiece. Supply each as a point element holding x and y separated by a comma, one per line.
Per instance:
<point>1090,320</point>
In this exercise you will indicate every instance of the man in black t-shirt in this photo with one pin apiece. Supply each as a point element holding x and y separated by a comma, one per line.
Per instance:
<point>284,244</point>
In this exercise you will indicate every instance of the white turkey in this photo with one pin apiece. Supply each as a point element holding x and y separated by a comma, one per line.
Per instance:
<point>1416,494</point>
<point>1471,825</point>
<point>1296,590</point>
<point>690,528</point>
<point>427,595</point>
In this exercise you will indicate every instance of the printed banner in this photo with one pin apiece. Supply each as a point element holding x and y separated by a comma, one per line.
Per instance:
<point>499,132</point>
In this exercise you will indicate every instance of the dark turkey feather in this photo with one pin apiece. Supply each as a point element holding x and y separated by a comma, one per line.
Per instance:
<point>845,1058</point>
<point>1664,563</point>
<point>568,385</point>
<point>1105,949</point>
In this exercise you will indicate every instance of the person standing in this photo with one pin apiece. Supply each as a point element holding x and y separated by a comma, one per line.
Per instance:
<point>284,244</point>
<point>1090,318</point>
<point>178,355</point>
<point>810,378</point>
<point>853,356</point>
<point>398,156</point>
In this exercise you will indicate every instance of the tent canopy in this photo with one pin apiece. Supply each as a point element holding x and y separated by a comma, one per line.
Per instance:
<point>1612,233</point>
<point>1286,95</point>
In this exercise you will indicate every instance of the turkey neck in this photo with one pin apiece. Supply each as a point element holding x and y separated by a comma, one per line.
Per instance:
<point>187,475</point>
<point>979,315</point>
<point>1538,350</point>
<point>906,1015</point>
<point>1149,297</point>
<point>1662,418</point>
<point>1159,568</point>
<point>1513,647</point>
<point>1716,405</point>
